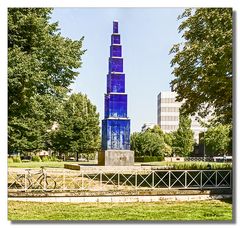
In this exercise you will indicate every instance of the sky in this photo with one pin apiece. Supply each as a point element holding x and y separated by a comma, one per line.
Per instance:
<point>147,35</point>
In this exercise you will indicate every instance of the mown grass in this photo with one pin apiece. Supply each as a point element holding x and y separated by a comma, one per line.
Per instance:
<point>194,210</point>
<point>193,165</point>
<point>170,165</point>
<point>37,165</point>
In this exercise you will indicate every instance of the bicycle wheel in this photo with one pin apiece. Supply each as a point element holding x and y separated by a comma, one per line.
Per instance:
<point>20,182</point>
<point>51,183</point>
<point>48,183</point>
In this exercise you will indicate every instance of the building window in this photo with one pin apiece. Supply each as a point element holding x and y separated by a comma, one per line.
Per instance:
<point>169,127</point>
<point>167,100</point>
<point>169,118</point>
<point>169,109</point>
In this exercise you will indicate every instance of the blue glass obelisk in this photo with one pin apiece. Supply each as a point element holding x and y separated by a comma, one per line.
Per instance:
<point>116,124</point>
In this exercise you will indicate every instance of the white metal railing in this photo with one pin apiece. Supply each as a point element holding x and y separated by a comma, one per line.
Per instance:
<point>53,180</point>
<point>199,159</point>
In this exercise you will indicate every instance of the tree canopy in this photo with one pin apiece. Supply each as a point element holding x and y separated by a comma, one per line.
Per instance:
<point>41,66</point>
<point>183,140</point>
<point>218,139</point>
<point>152,142</point>
<point>78,130</point>
<point>203,63</point>
<point>147,144</point>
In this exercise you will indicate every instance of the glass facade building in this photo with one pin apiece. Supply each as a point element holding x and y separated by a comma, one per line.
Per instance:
<point>116,124</point>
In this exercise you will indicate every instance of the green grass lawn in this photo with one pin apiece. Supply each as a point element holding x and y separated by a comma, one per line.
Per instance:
<point>176,165</point>
<point>37,165</point>
<point>165,210</point>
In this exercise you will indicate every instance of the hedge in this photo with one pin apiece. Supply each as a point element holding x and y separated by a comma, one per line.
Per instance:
<point>148,159</point>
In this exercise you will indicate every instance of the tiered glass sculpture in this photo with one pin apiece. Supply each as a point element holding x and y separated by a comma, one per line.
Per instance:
<point>116,125</point>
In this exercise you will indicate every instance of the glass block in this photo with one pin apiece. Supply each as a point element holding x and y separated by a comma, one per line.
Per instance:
<point>115,27</point>
<point>116,51</point>
<point>116,105</point>
<point>115,39</point>
<point>115,65</point>
<point>116,83</point>
<point>116,134</point>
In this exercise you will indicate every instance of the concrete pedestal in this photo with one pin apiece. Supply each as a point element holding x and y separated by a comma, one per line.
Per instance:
<point>116,158</point>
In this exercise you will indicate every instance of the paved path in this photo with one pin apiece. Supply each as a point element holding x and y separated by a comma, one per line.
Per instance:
<point>118,199</point>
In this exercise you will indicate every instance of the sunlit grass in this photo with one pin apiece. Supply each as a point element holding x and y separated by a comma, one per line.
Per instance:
<point>194,210</point>
<point>171,165</point>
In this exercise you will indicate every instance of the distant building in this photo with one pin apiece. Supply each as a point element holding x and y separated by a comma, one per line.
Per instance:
<point>147,126</point>
<point>168,114</point>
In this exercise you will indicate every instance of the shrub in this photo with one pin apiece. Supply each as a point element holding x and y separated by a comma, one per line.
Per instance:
<point>36,158</point>
<point>139,159</point>
<point>10,160</point>
<point>201,166</point>
<point>17,159</point>
<point>45,159</point>
<point>148,159</point>
<point>53,158</point>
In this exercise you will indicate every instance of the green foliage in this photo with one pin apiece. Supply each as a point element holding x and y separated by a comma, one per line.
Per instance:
<point>16,159</point>
<point>183,138</point>
<point>10,160</point>
<point>152,142</point>
<point>148,159</point>
<point>53,158</point>
<point>41,66</point>
<point>167,150</point>
<point>200,166</point>
<point>168,138</point>
<point>217,140</point>
<point>203,62</point>
<point>45,159</point>
<point>78,130</point>
<point>147,144</point>
<point>36,158</point>
<point>157,130</point>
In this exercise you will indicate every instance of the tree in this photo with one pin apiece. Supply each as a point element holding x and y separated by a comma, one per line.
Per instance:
<point>167,138</point>
<point>203,63</point>
<point>183,138</point>
<point>157,130</point>
<point>135,143</point>
<point>217,140</point>
<point>78,130</point>
<point>147,144</point>
<point>41,66</point>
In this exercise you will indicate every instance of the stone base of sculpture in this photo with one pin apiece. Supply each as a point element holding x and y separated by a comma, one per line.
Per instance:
<point>116,158</point>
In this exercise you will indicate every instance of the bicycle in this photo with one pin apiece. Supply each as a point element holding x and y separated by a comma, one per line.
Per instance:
<point>27,181</point>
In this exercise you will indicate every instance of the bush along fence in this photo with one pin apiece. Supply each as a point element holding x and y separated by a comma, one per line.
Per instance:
<point>52,180</point>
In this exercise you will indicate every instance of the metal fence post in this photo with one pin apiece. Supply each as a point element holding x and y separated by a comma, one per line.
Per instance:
<point>201,184</point>
<point>25,181</point>
<point>44,180</point>
<point>216,179</point>
<point>82,181</point>
<point>169,179</point>
<point>100,179</point>
<point>136,179</point>
<point>230,180</point>
<point>185,184</point>
<point>118,180</point>
<point>153,178</point>
<point>64,181</point>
